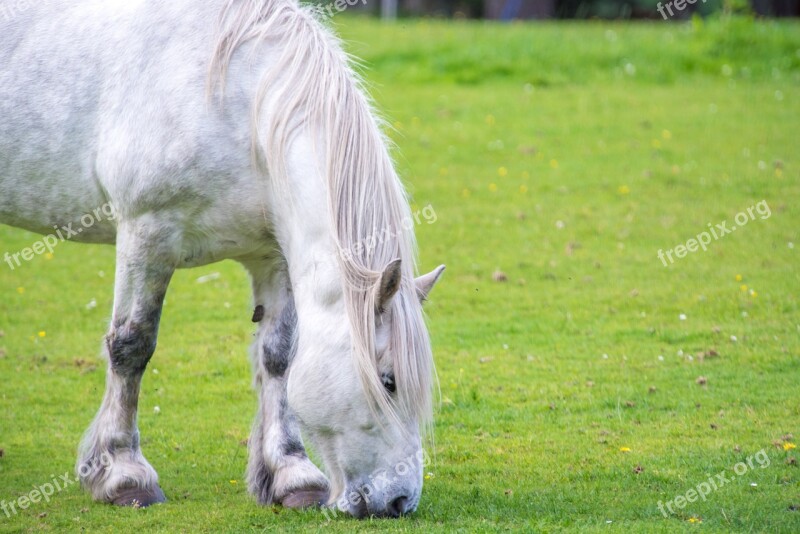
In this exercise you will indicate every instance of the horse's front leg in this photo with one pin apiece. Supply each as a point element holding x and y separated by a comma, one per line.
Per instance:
<point>147,253</point>
<point>279,470</point>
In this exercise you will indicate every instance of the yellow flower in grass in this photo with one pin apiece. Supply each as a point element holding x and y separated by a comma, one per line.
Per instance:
<point>554,163</point>
<point>743,287</point>
<point>738,277</point>
<point>502,172</point>
<point>789,446</point>
<point>624,449</point>
<point>523,189</point>
<point>493,187</point>
<point>623,190</point>
<point>666,134</point>
<point>42,333</point>
<point>694,520</point>
<point>20,290</point>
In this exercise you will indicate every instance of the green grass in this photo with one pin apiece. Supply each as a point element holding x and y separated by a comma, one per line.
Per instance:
<point>565,156</point>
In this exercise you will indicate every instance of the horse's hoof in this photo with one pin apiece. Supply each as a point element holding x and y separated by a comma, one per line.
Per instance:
<point>139,497</point>
<point>305,499</point>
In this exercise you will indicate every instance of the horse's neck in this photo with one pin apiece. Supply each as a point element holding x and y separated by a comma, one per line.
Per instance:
<point>303,227</point>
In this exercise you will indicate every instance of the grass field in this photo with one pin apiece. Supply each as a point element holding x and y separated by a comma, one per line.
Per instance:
<point>592,384</point>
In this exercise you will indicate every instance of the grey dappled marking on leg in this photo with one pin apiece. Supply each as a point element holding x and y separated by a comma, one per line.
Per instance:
<point>131,343</point>
<point>291,442</point>
<point>278,343</point>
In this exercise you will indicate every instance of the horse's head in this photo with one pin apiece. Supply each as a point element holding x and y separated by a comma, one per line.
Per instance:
<point>364,418</point>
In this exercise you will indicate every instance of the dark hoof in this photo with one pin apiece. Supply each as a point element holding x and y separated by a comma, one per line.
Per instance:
<point>139,497</point>
<point>305,499</point>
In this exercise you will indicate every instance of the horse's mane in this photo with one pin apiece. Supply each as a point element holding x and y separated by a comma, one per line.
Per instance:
<point>319,90</point>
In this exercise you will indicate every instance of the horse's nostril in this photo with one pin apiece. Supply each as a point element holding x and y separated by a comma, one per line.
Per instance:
<point>361,511</point>
<point>398,507</point>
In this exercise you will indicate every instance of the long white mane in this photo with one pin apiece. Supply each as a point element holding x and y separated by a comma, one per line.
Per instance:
<point>318,90</point>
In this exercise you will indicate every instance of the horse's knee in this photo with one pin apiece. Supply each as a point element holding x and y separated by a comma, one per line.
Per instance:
<point>277,346</point>
<point>130,347</point>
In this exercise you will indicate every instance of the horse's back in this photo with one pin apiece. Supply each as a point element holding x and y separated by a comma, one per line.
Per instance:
<point>105,101</point>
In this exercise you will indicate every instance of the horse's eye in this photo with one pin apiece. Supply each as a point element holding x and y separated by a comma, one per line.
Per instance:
<point>388,383</point>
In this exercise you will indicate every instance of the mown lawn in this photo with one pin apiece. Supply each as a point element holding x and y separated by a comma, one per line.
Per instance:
<point>590,385</point>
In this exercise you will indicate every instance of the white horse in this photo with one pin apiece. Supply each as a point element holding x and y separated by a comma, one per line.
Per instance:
<point>229,129</point>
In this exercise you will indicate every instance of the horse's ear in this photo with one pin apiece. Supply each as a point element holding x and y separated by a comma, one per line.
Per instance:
<point>390,283</point>
<point>426,282</point>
